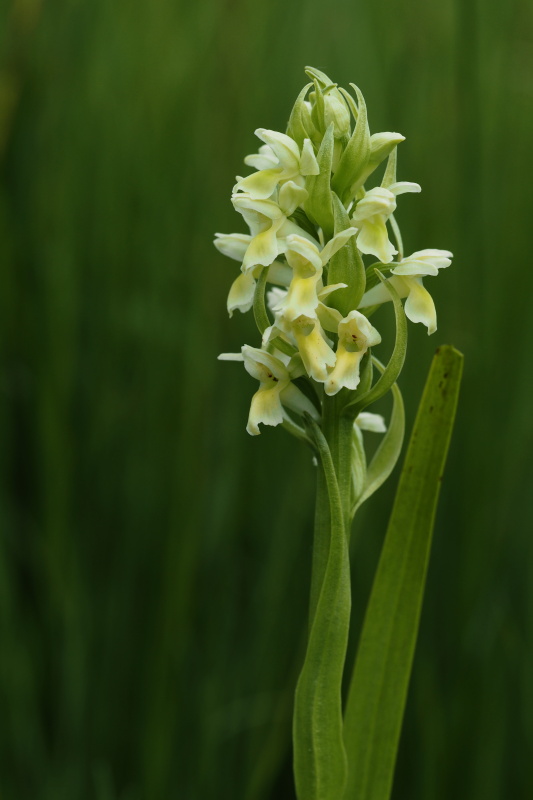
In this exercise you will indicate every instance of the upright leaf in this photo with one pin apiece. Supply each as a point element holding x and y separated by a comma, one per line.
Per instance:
<point>379,684</point>
<point>319,757</point>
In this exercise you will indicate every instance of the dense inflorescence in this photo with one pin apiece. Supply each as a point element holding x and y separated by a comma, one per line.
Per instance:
<point>311,222</point>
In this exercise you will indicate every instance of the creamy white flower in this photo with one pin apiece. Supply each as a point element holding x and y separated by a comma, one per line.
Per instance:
<point>306,334</point>
<point>264,159</point>
<point>307,262</point>
<point>267,220</point>
<point>282,161</point>
<point>241,293</point>
<point>275,388</point>
<point>242,290</point>
<point>407,279</point>
<point>356,335</point>
<point>371,215</point>
<point>313,346</point>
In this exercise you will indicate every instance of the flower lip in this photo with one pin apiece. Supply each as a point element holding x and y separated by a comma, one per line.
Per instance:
<point>376,201</point>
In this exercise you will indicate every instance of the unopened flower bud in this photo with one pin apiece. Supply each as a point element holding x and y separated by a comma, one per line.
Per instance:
<point>337,112</point>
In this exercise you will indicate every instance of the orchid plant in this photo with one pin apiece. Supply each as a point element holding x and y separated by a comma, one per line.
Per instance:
<point>311,222</point>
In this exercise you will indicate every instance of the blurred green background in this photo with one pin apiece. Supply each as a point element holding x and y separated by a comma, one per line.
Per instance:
<point>154,558</point>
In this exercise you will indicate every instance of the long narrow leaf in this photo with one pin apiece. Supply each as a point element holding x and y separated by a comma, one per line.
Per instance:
<point>379,684</point>
<point>319,757</point>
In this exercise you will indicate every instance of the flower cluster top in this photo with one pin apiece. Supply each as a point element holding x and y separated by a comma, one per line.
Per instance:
<point>311,219</point>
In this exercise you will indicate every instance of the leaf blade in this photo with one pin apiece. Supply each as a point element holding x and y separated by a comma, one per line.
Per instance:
<point>378,690</point>
<point>319,756</point>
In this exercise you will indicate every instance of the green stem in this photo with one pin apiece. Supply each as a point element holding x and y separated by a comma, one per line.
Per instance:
<point>320,542</point>
<point>338,430</point>
<point>338,433</point>
<point>319,756</point>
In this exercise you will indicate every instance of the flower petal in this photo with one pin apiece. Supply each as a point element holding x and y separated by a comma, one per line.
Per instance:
<point>296,400</point>
<point>243,202</point>
<point>376,201</point>
<point>265,408</point>
<point>316,353</point>
<point>439,258</point>
<point>275,297</point>
<point>329,317</point>
<point>301,297</point>
<point>335,244</point>
<point>263,249</point>
<point>432,252</point>
<point>265,159</point>
<point>345,372</point>
<point>373,239</point>
<point>290,197</point>
<point>367,421</point>
<point>401,187</point>
<point>419,306</point>
<point>304,248</point>
<point>263,366</point>
<point>230,357</point>
<point>379,294</point>
<point>330,288</point>
<point>357,333</point>
<point>232,245</point>
<point>412,267</point>
<point>285,149</point>
<point>308,162</point>
<point>259,185</point>
<point>241,293</point>
<point>279,273</point>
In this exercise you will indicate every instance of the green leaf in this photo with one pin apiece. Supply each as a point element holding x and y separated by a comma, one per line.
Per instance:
<point>389,450</point>
<point>394,367</point>
<point>353,162</point>
<point>319,756</point>
<point>346,266</point>
<point>319,205</point>
<point>379,684</point>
